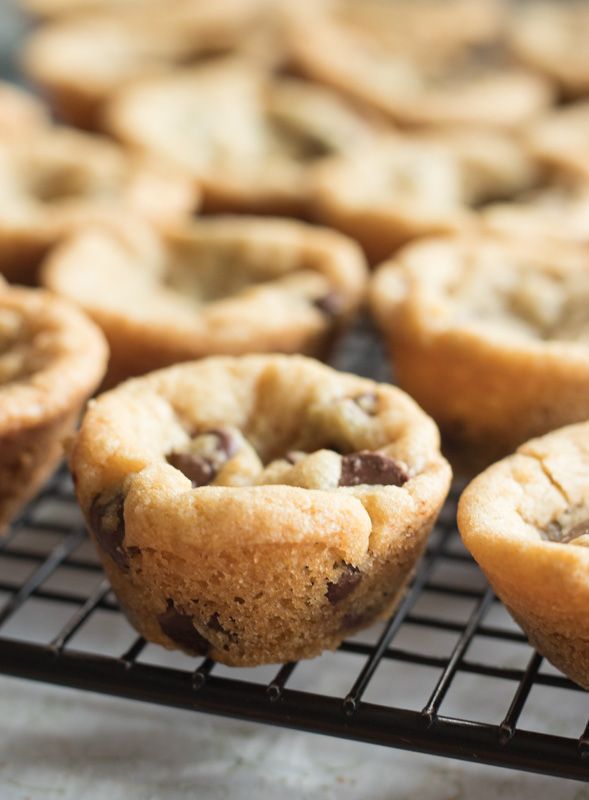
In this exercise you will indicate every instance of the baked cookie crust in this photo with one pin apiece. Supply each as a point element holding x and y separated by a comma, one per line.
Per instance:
<point>258,509</point>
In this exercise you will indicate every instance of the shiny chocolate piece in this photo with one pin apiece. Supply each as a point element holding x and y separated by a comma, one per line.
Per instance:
<point>372,469</point>
<point>107,523</point>
<point>578,530</point>
<point>346,583</point>
<point>197,469</point>
<point>202,469</point>
<point>179,628</point>
<point>228,444</point>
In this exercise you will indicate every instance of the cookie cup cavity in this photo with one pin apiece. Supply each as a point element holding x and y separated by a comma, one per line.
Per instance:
<point>251,568</point>
<point>507,517</point>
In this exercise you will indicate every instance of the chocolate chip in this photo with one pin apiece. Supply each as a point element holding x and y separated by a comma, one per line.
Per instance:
<point>368,402</point>
<point>107,522</point>
<point>345,584</point>
<point>578,530</point>
<point>373,469</point>
<point>350,621</point>
<point>330,304</point>
<point>202,469</point>
<point>228,443</point>
<point>179,628</point>
<point>215,625</point>
<point>196,468</point>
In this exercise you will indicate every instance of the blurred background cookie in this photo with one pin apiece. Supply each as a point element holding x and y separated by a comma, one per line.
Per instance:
<point>561,138</point>
<point>80,62</point>
<point>551,37</point>
<point>52,358</point>
<point>60,178</point>
<point>466,85</point>
<point>251,141</point>
<point>408,186</point>
<point>226,285</point>
<point>491,339</point>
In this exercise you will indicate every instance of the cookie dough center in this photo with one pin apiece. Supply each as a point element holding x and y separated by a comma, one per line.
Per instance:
<point>510,296</point>
<point>314,456</point>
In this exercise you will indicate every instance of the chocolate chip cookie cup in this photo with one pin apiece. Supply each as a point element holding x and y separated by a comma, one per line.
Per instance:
<point>490,337</point>
<point>407,187</point>
<point>51,360</point>
<point>251,142</point>
<point>257,509</point>
<point>61,178</point>
<point>479,87</point>
<point>526,522</point>
<point>215,286</point>
<point>80,61</point>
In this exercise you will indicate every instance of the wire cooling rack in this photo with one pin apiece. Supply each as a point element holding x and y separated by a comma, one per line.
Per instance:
<point>448,674</point>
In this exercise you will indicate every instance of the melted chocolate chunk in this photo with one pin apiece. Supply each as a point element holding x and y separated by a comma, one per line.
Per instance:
<point>344,586</point>
<point>107,521</point>
<point>179,628</point>
<point>578,530</point>
<point>330,304</point>
<point>372,469</point>
<point>215,625</point>
<point>228,444</point>
<point>197,469</point>
<point>200,469</point>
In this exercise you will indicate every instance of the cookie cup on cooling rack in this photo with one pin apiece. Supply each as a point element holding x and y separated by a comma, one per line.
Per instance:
<point>461,86</point>
<point>60,178</point>
<point>80,61</point>
<point>52,358</point>
<point>491,338</point>
<point>407,187</point>
<point>257,509</point>
<point>214,286</point>
<point>526,522</point>
<point>251,141</point>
